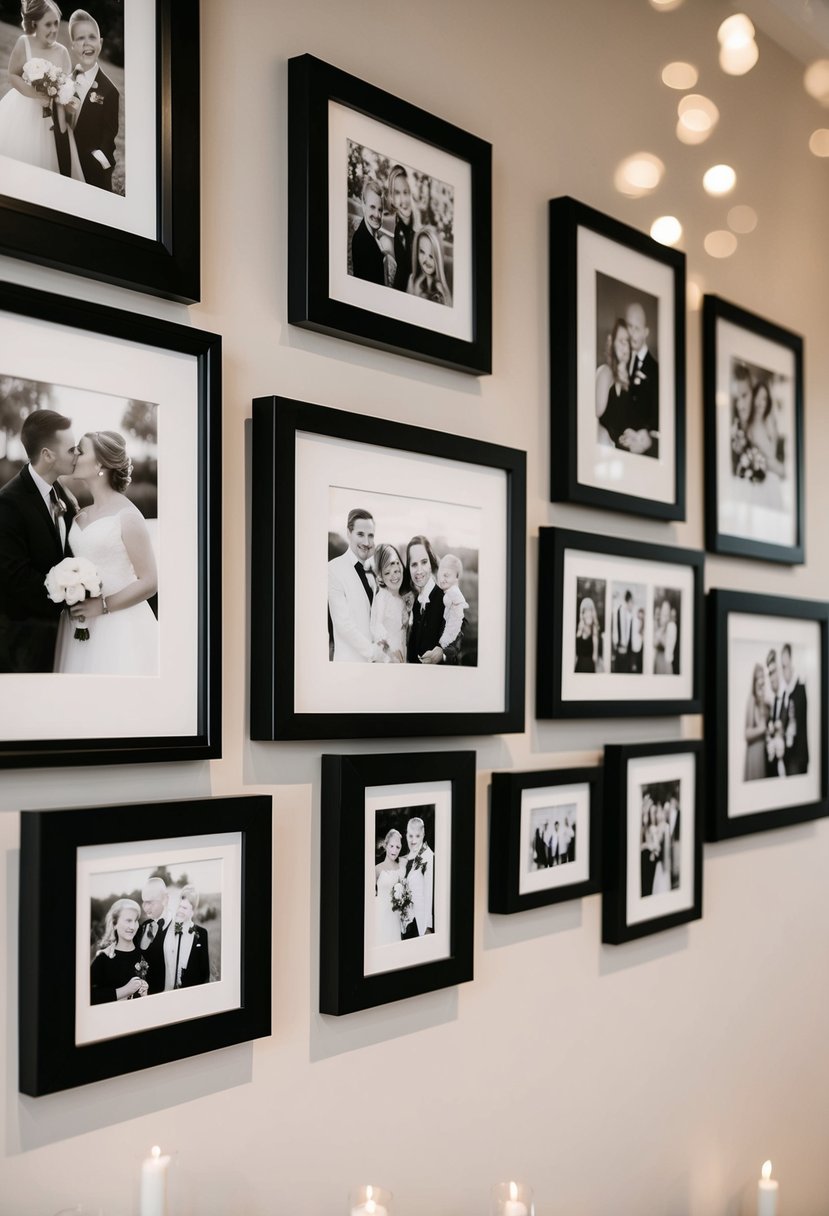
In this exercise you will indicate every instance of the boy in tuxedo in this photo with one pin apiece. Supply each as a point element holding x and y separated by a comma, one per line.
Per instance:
<point>96,120</point>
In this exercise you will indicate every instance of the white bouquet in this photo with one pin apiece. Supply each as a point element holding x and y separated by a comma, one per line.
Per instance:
<point>48,80</point>
<point>70,582</point>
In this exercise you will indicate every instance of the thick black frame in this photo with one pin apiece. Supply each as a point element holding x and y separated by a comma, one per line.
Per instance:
<point>566,216</point>
<point>311,85</point>
<point>49,1059</point>
<point>206,349</point>
<point>718,825</point>
<point>715,309</point>
<point>165,265</point>
<point>344,988</point>
<point>505,838</point>
<point>615,929</point>
<point>552,546</point>
<point>276,421</point>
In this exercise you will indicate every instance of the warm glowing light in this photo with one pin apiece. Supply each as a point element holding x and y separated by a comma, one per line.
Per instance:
<point>665,6</point>
<point>693,295</point>
<point>698,113</point>
<point>679,75</point>
<point>742,218</point>
<point>720,243</point>
<point>638,174</point>
<point>816,81</point>
<point>719,179</point>
<point>686,136</point>
<point>819,142</point>
<point>766,1171</point>
<point>513,1189</point>
<point>667,230</point>
<point>736,30</point>
<point>155,1151</point>
<point>737,60</point>
<point>369,1192</point>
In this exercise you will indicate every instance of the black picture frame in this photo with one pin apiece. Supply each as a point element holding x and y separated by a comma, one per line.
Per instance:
<point>344,985</point>
<point>732,459</point>
<point>575,435</point>
<point>312,85</point>
<point>278,659</point>
<point>731,807</point>
<point>559,607</point>
<point>617,924</point>
<point>507,794</point>
<point>166,265</point>
<point>204,349</point>
<point>50,1058</point>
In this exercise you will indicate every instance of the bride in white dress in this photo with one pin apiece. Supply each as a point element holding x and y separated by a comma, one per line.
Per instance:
<point>112,534</point>
<point>390,608</point>
<point>386,874</point>
<point>25,134</point>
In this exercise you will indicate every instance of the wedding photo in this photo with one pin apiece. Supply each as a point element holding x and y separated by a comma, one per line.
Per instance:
<point>627,367</point>
<point>78,531</point>
<point>400,226</point>
<point>62,89</point>
<point>402,580</point>
<point>154,929</point>
<point>761,436</point>
<point>591,594</point>
<point>667,609</point>
<point>660,838</point>
<point>552,836</point>
<point>404,875</point>
<point>776,715</point>
<point>628,602</point>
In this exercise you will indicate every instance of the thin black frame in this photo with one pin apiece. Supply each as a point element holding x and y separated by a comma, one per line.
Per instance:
<point>276,421</point>
<point>312,84</point>
<point>720,605</point>
<point>344,988</point>
<point>715,309</point>
<point>615,929</point>
<point>505,838</point>
<point>206,349</point>
<point>49,1059</point>
<point>165,265</point>
<point>552,546</point>
<point>566,216</point>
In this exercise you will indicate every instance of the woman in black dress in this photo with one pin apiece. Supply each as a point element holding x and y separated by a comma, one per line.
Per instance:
<point>119,969</point>
<point>399,203</point>
<point>587,636</point>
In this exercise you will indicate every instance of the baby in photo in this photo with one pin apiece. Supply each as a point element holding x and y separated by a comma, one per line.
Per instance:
<point>450,572</point>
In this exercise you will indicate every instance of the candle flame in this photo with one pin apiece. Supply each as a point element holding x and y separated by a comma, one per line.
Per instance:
<point>155,1151</point>
<point>766,1171</point>
<point>513,1192</point>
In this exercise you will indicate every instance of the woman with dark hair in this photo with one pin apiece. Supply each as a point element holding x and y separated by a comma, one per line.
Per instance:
<point>427,610</point>
<point>119,969</point>
<point>613,382</point>
<point>113,535</point>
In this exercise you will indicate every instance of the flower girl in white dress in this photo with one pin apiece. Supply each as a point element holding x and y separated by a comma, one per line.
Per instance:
<point>386,921</point>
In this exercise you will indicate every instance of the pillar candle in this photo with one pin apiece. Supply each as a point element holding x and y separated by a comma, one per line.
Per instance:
<point>154,1184</point>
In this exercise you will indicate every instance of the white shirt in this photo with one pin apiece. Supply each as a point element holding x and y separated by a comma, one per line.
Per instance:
<point>85,80</point>
<point>423,598</point>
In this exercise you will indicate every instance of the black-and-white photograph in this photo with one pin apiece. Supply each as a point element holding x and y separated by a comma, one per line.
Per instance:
<point>155,929</point>
<point>660,838</point>
<point>78,531</point>
<point>628,605</point>
<point>402,580</point>
<point>591,594</point>
<point>400,226</point>
<point>62,89</point>
<point>627,371</point>
<point>761,435</point>
<point>553,832</point>
<point>404,876</point>
<point>776,713</point>
<point>667,613</point>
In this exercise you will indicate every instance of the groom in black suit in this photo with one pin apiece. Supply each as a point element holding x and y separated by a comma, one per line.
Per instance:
<point>96,121</point>
<point>151,932</point>
<point>35,517</point>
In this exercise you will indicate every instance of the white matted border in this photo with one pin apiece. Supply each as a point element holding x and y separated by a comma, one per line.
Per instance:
<point>647,770</point>
<point>557,798</point>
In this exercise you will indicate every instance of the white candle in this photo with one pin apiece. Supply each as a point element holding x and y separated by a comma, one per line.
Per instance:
<point>370,1208</point>
<point>513,1206</point>
<point>767,1191</point>
<point>154,1184</point>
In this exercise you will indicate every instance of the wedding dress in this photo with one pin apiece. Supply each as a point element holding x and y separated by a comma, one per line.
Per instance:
<point>386,920</point>
<point>27,136</point>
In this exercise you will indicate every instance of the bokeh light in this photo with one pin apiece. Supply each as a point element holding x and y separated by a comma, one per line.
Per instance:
<point>720,244</point>
<point>819,142</point>
<point>665,6</point>
<point>666,229</point>
<point>742,218</point>
<point>719,179</point>
<point>698,115</point>
<point>679,75</point>
<point>638,174</point>
<point>737,60</point>
<point>686,136</point>
<point>736,30</point>
<point>693,295</point>
<point>816,81</point>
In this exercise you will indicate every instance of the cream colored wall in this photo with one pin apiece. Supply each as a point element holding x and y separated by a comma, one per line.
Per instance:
<point>648,1078</point>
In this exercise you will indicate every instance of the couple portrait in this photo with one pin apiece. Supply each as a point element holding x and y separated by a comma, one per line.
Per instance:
<point>404,877</point>
<point>410,602</point>
<point>400,226</point>
<point>776,730</point>
<point>758,433</point>
<point>60,110</point>
<point>151,940</point>
<point>660,838</point>
<point>553,840</point>
<point>627,375</point>
<point>66,496</point>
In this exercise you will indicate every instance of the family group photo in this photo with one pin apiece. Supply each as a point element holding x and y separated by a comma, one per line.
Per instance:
<point>400,226</point>
<point>632,644</point>
<point>760,434</point>
<point>62,89</point>
<point>776,727</point>
<point>404,874</point>
<point>402,580</point>
<point>627,367</point>
<point>552,837</point>
<point>154,930</point>
<point>660,838</point>
<point>78,531</point>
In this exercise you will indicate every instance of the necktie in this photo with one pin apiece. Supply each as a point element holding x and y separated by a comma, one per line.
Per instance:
<point>363,577</point>
<point>57,515</point>
<point>151,927</point>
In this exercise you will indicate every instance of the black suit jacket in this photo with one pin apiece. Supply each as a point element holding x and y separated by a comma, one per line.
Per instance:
<point>96,128</point>
<point>644,402</point>
<point>29,548</point>
<point>154,954</point>
<point>796,759</point>
<point>366,256</point>
<point>427,626</point>
<point>197,970</point>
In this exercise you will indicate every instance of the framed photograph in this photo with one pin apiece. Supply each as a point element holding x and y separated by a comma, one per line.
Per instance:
<point>110,533</point>
<point>619,627</point>
<point>652,838</point>
<point>381,551</point>
<point>389,222</point>
<point>617,365</point>
<point>753,388</point>
<point>767,712</point>
<point>99,141</point>
<point>397,877</point>
<point>544,837</point>
<point>162,949</point>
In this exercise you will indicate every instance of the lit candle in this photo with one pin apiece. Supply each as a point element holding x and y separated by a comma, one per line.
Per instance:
<point>370,1208</point>
<point>767,1189</point>
<point>154,1184</point>
<point>513,1206</point>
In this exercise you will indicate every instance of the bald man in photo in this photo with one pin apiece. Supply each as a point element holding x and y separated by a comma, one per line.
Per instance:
<point>633,424</point>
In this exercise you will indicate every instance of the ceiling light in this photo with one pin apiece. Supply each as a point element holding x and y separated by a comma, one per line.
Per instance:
<point>737,60</point>
<point>667,230</point>
<point>679,75</point>
<point>638,174</point>
<point>719,179</point>
<point>736,30</point>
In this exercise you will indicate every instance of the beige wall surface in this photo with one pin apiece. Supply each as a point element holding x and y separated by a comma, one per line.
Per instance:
<point>649,1078</point>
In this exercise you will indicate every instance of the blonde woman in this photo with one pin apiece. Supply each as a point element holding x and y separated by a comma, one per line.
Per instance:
<point>387,928</point>
<point>587,636</point>
<point>428,279</point>
<point>119,969</point>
